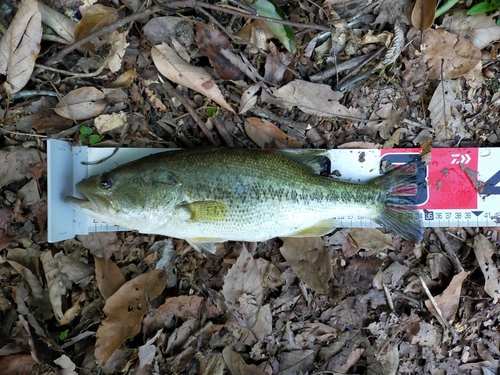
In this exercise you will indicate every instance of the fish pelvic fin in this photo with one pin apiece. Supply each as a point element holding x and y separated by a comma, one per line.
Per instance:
<point>398,212</point>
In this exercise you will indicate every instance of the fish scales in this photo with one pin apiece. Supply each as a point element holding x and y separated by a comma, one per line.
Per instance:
<point>220,194</point>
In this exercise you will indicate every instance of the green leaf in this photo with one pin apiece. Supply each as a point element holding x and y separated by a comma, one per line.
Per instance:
<point>480,8</point>
<point>267,8</point>
<point>63,335</point>
<point>83,137</point>
<point>85,130</point>
<point>94,138</point>
<point>210,111</point>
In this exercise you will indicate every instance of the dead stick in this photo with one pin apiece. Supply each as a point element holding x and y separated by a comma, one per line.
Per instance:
<point>171,91</point>
<point>449,249</point>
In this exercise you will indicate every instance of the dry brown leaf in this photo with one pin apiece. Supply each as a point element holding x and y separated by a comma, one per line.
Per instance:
<point>242,290</point>
<point>118,42</point>
<point>179,71</point>
<point>270,274</point>
<point>210,41</point>
<point>184,307</point>
<point>95,18</point>
<point>314,99</point>
<point>480,29</point>
<point>445,118</point>
<point>448,300</point>
<point>162,29</point>
<point>424,12</point>
<point>106,123</point>
<point>58,22</point>
<point>387,361</point>
<point>245,32</point>
<point>181,334</point>
<point>20,46</point>
<point>249,98</point>
<point>310,260</point>
<point>237,365</point>
<point>485,252</point>
<point>81,104</point>
<point>264,133</point>
<point>370,239</point>
<point>17,364</point>
<point>276,64</point>
<point>124,80</point>
<point>29,194</point>
<point>108,276</point>
<point>57,282</point>
<point>66,364</point>
<point>17,164</point>
<point>296,361</point>
<point>449,54</point>
<point>100,244</point>
<point>125,310</point>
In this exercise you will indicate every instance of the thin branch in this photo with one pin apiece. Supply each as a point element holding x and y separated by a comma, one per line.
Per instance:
<point>449,249</point>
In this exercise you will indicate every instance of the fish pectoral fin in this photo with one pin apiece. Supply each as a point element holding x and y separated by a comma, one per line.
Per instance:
<point>204,244</point>
<point>208,211</point>
<point>318,229</point>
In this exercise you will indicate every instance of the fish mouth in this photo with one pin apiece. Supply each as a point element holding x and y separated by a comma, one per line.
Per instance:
<point>88,204</point>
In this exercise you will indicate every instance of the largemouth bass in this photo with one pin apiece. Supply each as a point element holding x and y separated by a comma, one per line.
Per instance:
<point>214,195</point>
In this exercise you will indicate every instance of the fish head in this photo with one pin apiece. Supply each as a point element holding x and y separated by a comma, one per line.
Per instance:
<point>105,196</point>
<point>125,196</point>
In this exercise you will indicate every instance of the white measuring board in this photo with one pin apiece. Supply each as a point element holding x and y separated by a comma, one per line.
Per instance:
<point>447,198</point>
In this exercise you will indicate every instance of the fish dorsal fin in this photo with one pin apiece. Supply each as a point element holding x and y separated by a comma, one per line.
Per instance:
<point>207,211</point>
<point>316,161</point>
<point>318,229</point>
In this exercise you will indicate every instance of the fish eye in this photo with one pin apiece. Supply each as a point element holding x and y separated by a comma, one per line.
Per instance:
<point>105,182</point>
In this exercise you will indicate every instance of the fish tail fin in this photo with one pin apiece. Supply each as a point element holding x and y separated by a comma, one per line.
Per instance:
<point>398,213</point>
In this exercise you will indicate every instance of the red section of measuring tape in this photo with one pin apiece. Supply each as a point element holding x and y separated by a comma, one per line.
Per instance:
<point>449,186</point>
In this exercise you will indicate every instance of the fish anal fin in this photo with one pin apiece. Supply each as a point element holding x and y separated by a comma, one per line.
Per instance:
<point>319,229</point>
<point>202,244</point>
<point>207,211</point>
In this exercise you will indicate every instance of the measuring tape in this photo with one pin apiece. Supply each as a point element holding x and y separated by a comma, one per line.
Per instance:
<point>461,189</point>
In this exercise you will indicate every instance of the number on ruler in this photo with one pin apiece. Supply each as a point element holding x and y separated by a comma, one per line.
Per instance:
<point>422,193</point>
<point>490,187</point>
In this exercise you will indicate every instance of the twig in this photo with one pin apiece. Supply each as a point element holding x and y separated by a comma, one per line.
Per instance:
<point>30,93</point>
<point>268,114</point>
<point>351,78</point>
<point>345,65</point>
<point>441,317</point>
<point>171,91</point>
<point>117,147</point>
<point>73,74</point>
<point>221,128</point>
<point>449,249</point>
